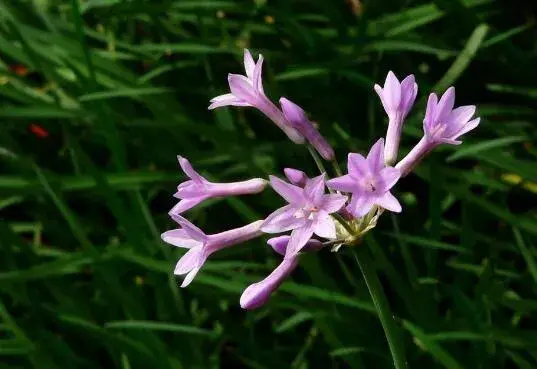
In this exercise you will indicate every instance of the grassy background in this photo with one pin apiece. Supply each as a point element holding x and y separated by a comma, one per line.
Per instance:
<point>122,86</point>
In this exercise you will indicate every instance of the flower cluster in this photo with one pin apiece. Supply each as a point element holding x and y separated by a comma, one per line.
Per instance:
<point>312,218</point>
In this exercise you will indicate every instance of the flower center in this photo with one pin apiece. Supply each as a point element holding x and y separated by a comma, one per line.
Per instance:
<point>308,212</point>
<point>370,184</point>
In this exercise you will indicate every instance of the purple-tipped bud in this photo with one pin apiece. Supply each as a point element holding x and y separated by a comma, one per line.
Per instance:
<point>258,293</point>
<point>201,246</point>
<point>248,91</point>
<point>279,244</point>
<point>198,189</point>
<point>297,118</point>
<point>296,177</point>
<point>397,99</point>
<point>442,124</point>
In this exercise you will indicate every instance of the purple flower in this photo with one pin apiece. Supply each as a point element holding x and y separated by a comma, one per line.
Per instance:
<point>258,293</point>
<point>369,180</point>
<point>296,177</point>
<point>248,91</point>
<point>442,124</point>
<point>201,246</point>
<point>397,99</point>
<point>297,118</point>
<point>308,212</point>
<point>198,189</point>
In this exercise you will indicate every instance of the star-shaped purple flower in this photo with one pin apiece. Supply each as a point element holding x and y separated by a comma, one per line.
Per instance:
<point>201,246</point>
<point>248,91</point>
<point>369,180</point>
<point>198,189</point>
<point>308,212</point>
<point>442,124</point>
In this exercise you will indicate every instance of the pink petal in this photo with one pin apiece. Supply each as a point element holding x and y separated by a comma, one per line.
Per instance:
<point>333,202</point>
<point>189,171</point>
<point>179,238</point>
<point>282,220</point>
<point>291,193</point>
<point>375,158</point>
<point>360,204</point>
<point>192,259</point>
<point>344,183</point>
<point>314,189</point>
<point>249,63</point>
<point>193,231</point>
<point>409,91</point>
<point>430,113</point>
<point>190,276</point>
<point>186,204</point>
<point>389,202</point>
<point>380,92</point>
<point>392,92</point>
<point>462,114</point>
<point>445,105</point>
<point>390,176</point>
<point>325,227</point>
<point>299,238</point>
<point>257,76</point>
<point>458,119</point>
<point>243,89</point>
<point>469,126</point>
<point>357,165</point>
<point>226,100</point>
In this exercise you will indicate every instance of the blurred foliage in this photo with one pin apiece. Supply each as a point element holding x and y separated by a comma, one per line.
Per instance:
<point>98,98</point>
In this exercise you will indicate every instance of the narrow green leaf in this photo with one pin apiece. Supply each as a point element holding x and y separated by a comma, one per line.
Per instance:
<point>526,253</point>
<point>293,321</point>
<point>160,326</point>
<point>434,349</point>
<point>127,92</point>
<point>471,150</point>
<point>464,58</point>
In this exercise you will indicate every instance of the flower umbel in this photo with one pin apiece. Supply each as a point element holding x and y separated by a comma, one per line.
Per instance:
<point>308,212</point>
<point>198,189</point>
<point>313,220</point>
<point>369,180</point>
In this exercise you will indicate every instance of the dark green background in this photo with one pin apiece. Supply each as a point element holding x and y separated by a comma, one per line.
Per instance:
<point>122,87</point>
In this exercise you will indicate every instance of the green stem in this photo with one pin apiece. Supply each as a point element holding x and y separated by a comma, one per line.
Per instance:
<point>391,330</point>
<point>317,159</point>
<point>336,167</point>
